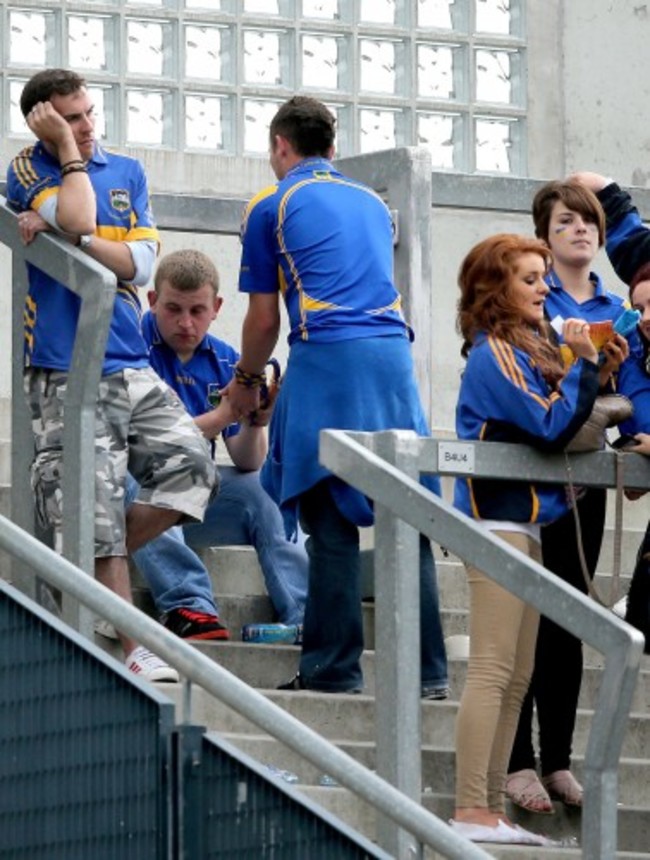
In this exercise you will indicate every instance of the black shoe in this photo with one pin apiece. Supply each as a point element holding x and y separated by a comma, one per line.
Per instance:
<point>435,694</point>
<point>189,624</point>
<point>296,683</point>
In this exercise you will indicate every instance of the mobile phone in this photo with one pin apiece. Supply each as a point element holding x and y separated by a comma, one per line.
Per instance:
<point>627,322</point>
<point>625,441</point>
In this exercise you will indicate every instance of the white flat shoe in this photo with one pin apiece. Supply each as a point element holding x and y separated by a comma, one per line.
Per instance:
<point>503,833</point>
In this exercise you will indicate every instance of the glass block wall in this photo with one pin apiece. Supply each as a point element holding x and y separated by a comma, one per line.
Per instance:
<point>207,75</point>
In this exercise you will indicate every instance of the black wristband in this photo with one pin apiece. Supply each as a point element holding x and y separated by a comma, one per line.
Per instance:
<point>80,168</point>
<point>71,162</point>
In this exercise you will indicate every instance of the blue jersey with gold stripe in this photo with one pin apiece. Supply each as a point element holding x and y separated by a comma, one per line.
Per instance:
<point>196,381</point>
<point>504,398</point>
<point>603,305</point>
<point>325,241</point>
<point>123,214</point>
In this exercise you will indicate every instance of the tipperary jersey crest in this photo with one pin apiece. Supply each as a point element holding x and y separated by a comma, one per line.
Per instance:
<point>120,199</point>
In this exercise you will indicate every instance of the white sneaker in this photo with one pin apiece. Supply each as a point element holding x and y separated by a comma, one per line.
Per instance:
<point>505,834</point>
<point>147,665</point>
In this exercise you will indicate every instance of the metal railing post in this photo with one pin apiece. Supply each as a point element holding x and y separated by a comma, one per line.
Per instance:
<point>397,649</point>
<point>403,177</point>
<point>22,448</point>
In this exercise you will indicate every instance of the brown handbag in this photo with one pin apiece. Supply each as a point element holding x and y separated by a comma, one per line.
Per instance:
<point>608,411</point>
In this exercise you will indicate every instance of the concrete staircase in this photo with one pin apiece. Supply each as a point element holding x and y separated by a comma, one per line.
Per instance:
<point>349,720</point>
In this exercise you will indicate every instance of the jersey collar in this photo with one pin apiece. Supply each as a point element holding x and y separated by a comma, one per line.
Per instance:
<point>315,162</point>
<point>554,282</point>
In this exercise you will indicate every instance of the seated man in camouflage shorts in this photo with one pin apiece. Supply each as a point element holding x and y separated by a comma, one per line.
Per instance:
<point>99,201</point>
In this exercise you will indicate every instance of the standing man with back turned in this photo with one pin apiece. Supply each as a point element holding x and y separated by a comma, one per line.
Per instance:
<point>99,201</point>
<point>324,241</point>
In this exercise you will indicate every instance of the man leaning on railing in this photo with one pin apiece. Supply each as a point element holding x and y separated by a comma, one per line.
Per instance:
<point>99,201</point>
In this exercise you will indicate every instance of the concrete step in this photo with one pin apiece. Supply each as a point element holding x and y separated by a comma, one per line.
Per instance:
<point>235,571</point>
<point>239,609</point>
<point>346,717</point>
<point>437,792</point>
<point>564,825</point>
<point>438,766</point>
<point>267,666</point>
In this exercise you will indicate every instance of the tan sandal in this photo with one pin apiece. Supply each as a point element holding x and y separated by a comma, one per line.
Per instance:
<point>525,790</point>
<point>562,785</point>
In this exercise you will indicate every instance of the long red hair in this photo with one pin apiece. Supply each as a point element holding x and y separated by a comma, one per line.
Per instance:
<point>486,302</point>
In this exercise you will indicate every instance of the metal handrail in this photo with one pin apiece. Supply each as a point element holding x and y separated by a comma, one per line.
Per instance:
<point>348,455</point>
<point>202,670</point>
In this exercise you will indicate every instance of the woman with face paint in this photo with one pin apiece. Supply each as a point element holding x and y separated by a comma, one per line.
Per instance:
<point>628,248</point>
<point>569,218</point>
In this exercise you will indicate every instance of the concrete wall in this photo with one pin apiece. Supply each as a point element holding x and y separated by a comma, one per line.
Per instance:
<point>606,84</point>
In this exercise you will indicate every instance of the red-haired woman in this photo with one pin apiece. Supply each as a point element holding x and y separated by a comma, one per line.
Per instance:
<point>514,389</point>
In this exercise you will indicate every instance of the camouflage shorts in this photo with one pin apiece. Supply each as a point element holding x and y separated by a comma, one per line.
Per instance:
<point>140,426</point>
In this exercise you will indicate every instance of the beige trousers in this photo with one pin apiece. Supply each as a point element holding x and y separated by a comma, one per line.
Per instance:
<point>503,633</point>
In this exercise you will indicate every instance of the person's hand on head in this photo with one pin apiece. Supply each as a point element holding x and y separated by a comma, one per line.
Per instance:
<point>576,336</point>
<point>593,181</point>
<point>48,125</point>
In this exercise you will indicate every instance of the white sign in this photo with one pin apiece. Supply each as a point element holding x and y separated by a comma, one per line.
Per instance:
<point>456,457</point>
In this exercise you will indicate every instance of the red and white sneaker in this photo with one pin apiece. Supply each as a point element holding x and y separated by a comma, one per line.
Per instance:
<point>147,665</point>
<point>189,624</point>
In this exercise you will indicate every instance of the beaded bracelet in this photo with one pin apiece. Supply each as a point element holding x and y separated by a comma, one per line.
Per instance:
<point>248,380</point>
<point>81,168</point>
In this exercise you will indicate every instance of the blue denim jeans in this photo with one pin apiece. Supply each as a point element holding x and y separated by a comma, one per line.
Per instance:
<point>242,514</point>
<point>333,629</point>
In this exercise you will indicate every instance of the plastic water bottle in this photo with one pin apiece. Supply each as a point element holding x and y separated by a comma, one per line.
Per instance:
<point>276,634</point>
<point>286,775</point>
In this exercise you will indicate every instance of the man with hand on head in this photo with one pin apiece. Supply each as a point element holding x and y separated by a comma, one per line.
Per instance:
<point>99,201</point>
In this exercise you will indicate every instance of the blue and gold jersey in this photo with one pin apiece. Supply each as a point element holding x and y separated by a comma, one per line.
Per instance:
<point>123,214</point>
<point>196,381</point>
<point>603,305</point>
<point>504,398</point>
<point>324,241</point>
